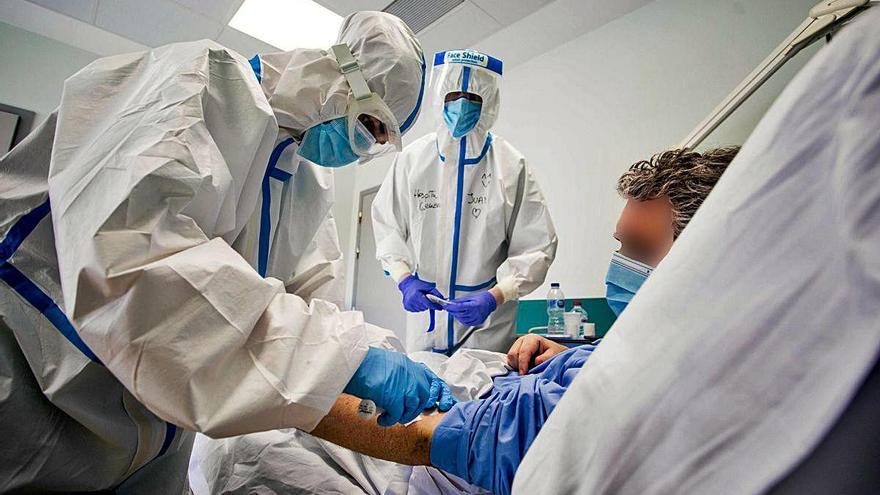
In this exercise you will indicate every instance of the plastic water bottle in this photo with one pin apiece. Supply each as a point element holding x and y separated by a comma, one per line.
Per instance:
<point>578,308</point>
<point>555,310</point>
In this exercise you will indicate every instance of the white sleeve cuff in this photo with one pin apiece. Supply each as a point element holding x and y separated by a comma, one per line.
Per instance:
<point>398,269</point>
<point>508,288</point>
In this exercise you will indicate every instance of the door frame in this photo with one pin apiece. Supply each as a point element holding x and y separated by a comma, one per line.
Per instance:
<point>359,218</point>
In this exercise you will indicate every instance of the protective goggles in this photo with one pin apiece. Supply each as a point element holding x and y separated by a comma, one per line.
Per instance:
<point>372,128</point>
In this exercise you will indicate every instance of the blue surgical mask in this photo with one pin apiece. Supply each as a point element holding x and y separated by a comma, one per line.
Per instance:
<point>327,144</point>
<point>461,116</point>
<point>625,277</point>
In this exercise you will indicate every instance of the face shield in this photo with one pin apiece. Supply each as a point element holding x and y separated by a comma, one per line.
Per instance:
<point>470,74</point>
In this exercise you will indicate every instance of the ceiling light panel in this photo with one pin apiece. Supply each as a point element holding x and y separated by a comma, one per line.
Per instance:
<point>288,24</point>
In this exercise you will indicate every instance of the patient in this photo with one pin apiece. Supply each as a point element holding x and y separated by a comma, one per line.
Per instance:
<point>483,441</point>
<point>662,195</point>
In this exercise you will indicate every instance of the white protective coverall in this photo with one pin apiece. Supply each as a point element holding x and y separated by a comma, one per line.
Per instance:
<point>134,309</point>
<point>466,214</point>
<point>743,347</point>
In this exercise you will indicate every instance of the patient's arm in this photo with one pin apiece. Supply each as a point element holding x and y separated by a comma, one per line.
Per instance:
<point>409,444</point>
<point>481,441</point>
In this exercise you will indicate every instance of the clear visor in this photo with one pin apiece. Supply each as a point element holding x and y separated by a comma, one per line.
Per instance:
<point>372,128</point>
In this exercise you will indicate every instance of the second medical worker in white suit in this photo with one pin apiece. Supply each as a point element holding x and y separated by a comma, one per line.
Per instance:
<point>461,216</point>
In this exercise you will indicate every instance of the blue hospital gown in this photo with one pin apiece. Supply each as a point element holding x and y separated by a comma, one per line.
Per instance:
<point>484,440</point>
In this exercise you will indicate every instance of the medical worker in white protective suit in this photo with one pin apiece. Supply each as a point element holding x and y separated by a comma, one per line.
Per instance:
<point>160,238</point>
<point>742,349</point>
<point>460,215</point>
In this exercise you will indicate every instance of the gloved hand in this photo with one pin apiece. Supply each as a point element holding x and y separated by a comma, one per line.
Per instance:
<point>414,290</point>
<point>472,309</point>
<point>400,386</point>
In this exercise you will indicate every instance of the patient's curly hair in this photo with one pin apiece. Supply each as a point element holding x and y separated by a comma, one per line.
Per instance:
<point>685,177</point>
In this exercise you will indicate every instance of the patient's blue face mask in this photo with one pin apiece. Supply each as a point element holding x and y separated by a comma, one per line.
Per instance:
<point>461,116</point>
<point>327,144</point>
<point>625,276</point>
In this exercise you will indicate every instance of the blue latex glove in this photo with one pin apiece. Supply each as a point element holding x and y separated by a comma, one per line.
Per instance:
<point>483,441</point>
<point>472,309</point>
<point>400,386</point>
<point>414,290</point>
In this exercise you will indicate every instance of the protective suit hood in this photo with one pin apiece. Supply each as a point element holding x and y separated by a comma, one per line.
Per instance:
<point>305,86</point>
<point>467,71</point>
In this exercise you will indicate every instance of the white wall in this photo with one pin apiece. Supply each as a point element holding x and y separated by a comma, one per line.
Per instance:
<point>586,109</point>
<point>34,69</point>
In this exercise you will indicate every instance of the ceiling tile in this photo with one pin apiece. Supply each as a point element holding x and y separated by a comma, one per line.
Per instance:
<point>507,12</point>
<point>554,24</point>
<point>83,10</point>
<point>61,27</point>
<point>243,43</point>
<point>460,28</point>
<point>219,10</point>
<point>154,23</point>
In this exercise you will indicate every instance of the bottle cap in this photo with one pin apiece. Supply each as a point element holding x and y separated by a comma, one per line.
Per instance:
<point>577,303</point>
<point>554,285</point>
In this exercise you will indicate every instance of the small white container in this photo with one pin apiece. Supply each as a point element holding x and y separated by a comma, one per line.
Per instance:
<point>589,330</point>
